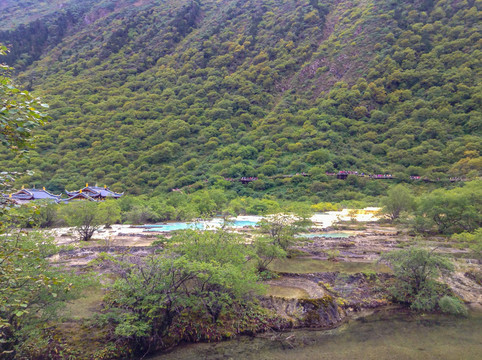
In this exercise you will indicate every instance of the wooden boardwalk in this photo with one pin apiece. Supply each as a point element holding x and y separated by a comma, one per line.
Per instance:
<point>341,175</point>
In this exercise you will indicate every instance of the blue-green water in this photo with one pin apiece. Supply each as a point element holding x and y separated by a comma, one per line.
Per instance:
<point>377,337</point>
<point>196,225</point>
<point>181,225</point>
<point>174,226</point>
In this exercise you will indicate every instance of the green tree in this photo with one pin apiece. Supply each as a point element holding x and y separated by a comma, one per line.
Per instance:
<point>35,214</point>
<point>275,236</point>
<point>399,199</point>
<point>146,298</point>
<point>267,252</point>
<point>451,211</point>
<point>46,214</point>
<point>86,217</point>
<point>141,214</point>
<point>19,112</point>
<point>233,276</point>
<point>282,228</point>
<point>416,271</point>
<point>112,211</point>
<point>18,116</point>
<point>31,289</point>
<point>202,275</point>
<point>415,107</point>
<point>207,203</point>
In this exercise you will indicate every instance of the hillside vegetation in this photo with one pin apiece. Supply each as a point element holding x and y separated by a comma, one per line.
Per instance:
<point>154,95</point>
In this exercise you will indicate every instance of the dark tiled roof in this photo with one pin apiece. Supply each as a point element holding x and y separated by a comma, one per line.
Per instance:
<point>43,194</point>
<point>33,194</point>
<point>96,191</point>
<point>78,196</point>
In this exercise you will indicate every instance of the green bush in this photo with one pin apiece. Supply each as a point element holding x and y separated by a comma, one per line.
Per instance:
<point>471,240</point>
<point>452,305</point>
<point>201,275</point>
<point>416,272</point>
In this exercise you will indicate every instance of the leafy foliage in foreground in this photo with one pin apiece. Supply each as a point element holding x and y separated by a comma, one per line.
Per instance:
<point>31,290</point>
<point>164,95</point>
<point>201,289</point>
<point>19,113</point>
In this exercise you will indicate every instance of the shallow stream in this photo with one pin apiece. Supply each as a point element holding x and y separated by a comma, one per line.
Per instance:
<point>380,336</point>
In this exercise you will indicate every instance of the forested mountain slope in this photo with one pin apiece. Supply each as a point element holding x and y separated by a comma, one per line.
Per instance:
<point>162,94</point>
<point>17,12</point>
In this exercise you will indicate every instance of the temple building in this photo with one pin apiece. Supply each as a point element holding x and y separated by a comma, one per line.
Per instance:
<point>92,193</point>
<point>78,196</point>
<point>26,195</point>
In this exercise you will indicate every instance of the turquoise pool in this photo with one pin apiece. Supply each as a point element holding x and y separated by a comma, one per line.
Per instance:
<point>197,225</point>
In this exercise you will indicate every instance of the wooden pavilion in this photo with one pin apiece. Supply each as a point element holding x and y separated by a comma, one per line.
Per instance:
<point>24,196</point>
<point>93,193</point>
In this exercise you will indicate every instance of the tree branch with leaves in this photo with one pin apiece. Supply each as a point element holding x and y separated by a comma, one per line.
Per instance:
<point>20,112</point>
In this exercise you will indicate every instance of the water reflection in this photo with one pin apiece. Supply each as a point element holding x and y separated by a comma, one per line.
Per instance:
<point>381,336</point>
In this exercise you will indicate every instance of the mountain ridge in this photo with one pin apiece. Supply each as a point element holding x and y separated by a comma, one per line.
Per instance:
<point>174,93</point>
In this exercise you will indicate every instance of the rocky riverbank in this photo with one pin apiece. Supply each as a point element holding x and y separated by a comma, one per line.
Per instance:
<point>327,281</point>
<point>307,295</point>
<point>367,245</point>
<point>310,267</point>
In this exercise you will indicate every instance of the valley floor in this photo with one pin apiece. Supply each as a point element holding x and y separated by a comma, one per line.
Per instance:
<point>334,274</point>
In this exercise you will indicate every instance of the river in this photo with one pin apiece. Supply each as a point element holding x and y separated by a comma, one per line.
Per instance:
<point>385,335</point>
